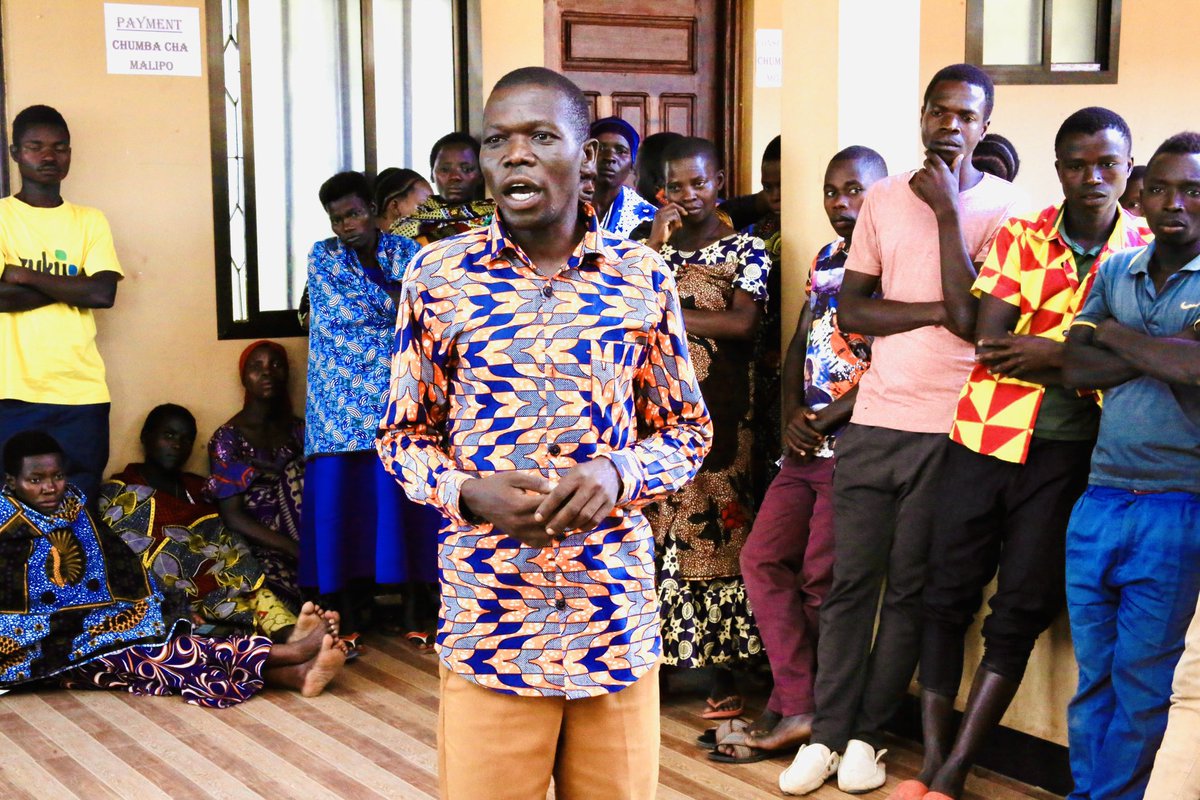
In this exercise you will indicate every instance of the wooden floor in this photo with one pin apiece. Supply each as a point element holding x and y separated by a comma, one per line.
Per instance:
<point>372,736</point>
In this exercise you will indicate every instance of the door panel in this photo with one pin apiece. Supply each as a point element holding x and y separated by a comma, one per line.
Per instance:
<point>663,65</point>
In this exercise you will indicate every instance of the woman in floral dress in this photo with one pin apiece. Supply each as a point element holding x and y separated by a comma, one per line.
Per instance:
<point>721,277</point>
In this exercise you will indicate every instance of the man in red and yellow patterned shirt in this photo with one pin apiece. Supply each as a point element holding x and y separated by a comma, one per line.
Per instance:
<point>1022,443</point>
<point>541,395</point>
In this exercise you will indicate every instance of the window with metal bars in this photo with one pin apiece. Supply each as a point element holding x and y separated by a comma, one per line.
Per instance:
<point>300,90</point>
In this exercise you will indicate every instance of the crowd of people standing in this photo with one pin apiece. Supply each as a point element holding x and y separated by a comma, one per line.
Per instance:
<point>556,423</point>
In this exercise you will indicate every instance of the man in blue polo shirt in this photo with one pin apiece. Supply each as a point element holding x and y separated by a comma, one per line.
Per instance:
<point>1133,544</point>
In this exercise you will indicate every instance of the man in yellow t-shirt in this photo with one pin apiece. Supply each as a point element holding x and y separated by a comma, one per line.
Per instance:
<point>58,264</point>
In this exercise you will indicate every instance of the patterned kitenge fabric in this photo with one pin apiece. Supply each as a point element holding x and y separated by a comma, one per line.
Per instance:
<point>627,211</point>
<point>272,484</point>
<point>350,331</point>
<point>1032,268</point>
<point>71,591</point>
<point>702,529</point>
<point>190,550</point>
<point>500,368</point>
<point>435,219</point>
<point>209,672</point>
<point>833,360</point>
<point>768,359</point>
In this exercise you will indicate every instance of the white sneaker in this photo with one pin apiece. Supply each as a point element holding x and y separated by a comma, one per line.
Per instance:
<point>811,767</point>
<point>861,770</point>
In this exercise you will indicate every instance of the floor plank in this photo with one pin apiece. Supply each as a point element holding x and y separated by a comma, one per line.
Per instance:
<point>373,735</point>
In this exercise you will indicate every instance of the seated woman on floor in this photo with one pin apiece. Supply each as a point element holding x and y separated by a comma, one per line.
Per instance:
<point>80,609</point>
<point>459,205</point>
<point>256,461</point>
<point>160,512</point>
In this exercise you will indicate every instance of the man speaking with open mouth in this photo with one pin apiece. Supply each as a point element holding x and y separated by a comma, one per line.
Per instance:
<point>541,396</point>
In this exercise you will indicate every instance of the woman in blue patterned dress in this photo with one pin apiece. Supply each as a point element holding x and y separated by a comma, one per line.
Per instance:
<point>80,609</point>
<point>359,530</point>
<point>721,277</point>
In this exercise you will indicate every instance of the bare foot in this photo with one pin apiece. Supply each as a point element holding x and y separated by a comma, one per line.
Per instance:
<point>298,651</point>
<point>788,734</point>
<point>309,620</point>
<point>322,669</point>
<point>333,621</point>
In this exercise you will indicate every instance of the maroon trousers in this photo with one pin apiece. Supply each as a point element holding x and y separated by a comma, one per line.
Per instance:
<point>787,564</point>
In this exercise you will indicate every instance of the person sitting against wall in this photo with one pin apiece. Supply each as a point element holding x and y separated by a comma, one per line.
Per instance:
<point>398,193</point>
<point>160,512</point>
<point>359,530</point>
<point>82,610</point>
<point>256,461</point>
<point>459,205</point>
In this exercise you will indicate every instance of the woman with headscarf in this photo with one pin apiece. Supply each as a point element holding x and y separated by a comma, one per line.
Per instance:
<point>256,461</point>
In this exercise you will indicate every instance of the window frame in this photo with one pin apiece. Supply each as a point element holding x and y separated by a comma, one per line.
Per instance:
<point>286,323</point>
<point>5,186</point>
<point>1108,42</point>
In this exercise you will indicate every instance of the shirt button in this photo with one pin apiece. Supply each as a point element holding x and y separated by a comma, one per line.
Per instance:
<point>553,449</point>
<point>547,290</point>
<point>560,604</point>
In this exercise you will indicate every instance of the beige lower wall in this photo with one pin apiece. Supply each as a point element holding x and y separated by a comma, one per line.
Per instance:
<point>140,154</point>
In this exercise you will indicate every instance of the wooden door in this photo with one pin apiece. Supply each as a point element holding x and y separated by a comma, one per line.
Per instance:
<point>661,65</point>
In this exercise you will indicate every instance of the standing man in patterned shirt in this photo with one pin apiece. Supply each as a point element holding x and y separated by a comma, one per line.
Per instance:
<point>541,395</point>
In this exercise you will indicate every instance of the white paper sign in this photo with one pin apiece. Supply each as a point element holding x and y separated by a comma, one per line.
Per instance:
<point>768,58</point>
<point>152,40</point>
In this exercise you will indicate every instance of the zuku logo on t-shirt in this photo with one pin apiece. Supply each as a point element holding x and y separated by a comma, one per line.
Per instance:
<point>59,266</point>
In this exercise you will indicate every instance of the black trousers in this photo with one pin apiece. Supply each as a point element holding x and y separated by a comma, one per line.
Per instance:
<point>884,500</point>
<point>998,516</point>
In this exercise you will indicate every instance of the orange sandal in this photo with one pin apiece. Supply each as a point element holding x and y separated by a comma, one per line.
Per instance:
<point>725,708</point>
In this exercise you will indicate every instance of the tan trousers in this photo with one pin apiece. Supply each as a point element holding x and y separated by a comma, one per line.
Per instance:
<point>494,746</point>
<point>1176,774</point>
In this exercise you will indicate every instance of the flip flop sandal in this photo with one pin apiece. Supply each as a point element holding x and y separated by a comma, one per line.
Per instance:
<point>737,739</point>
<point>708,740</point>
<point>419,638</point>
<point>724,708</point>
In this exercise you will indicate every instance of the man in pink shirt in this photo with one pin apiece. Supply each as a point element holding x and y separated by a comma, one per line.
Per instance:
<point>917,244</point>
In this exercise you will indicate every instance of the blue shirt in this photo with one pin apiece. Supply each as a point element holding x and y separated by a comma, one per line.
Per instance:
<point>350,332</point>
<point>1147,442</point>
<point>627,211</point>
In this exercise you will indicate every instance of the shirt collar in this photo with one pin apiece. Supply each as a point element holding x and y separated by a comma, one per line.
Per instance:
<point>1055,230</point>
<point>1140,265</point>
<point>591,247</point>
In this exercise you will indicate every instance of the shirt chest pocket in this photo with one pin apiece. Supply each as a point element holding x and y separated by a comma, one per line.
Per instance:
<point>614,366</point>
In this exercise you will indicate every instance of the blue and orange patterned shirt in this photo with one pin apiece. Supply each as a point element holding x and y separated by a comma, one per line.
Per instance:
<point>500,368</point>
